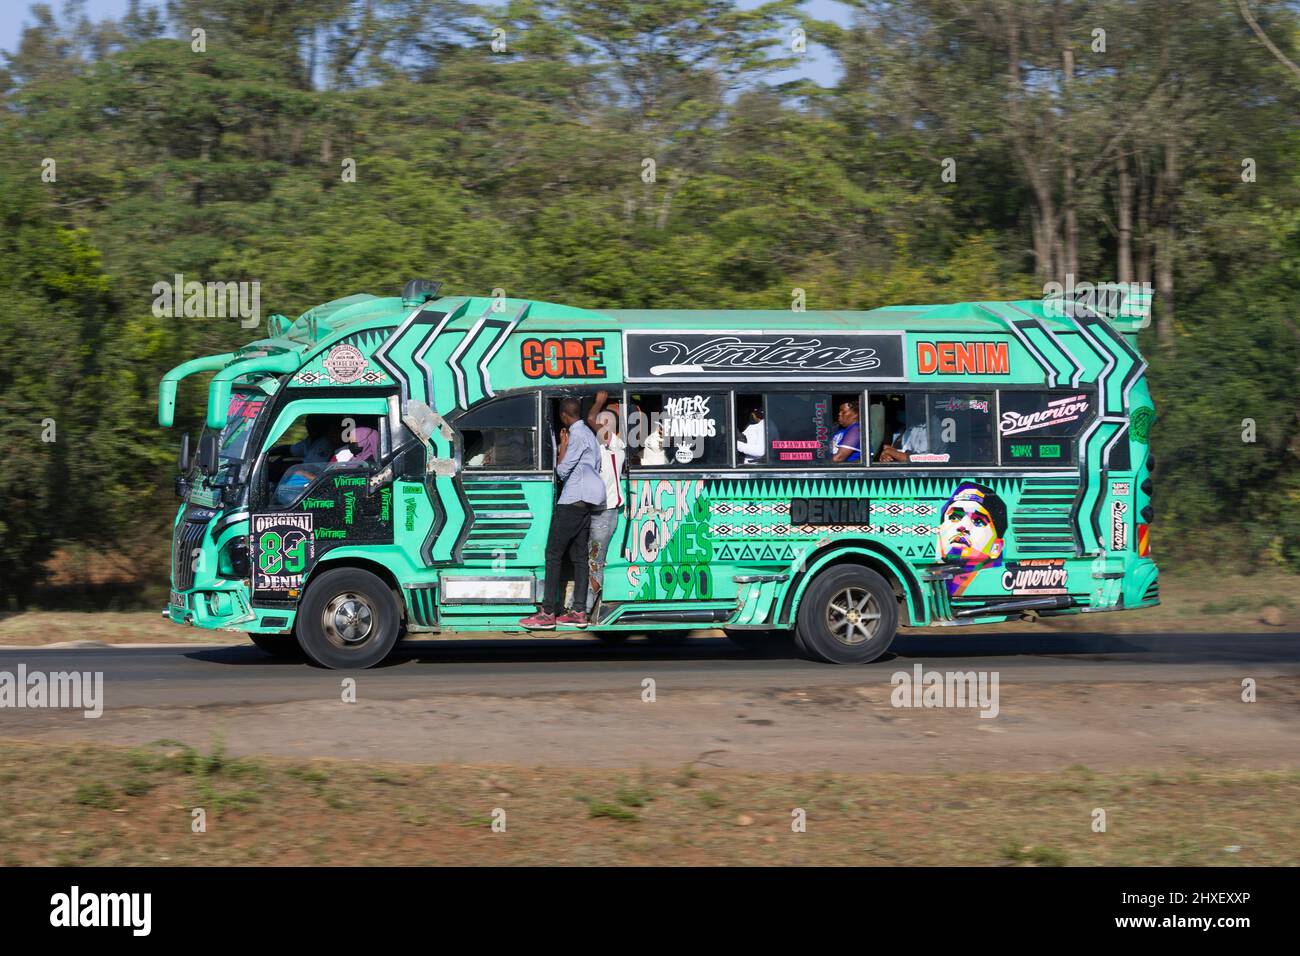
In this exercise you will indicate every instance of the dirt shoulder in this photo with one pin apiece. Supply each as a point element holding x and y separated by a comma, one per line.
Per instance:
<point>1191,601</point>
<point>91,805</point>
<point>38,628</point>
<point>779,724</point>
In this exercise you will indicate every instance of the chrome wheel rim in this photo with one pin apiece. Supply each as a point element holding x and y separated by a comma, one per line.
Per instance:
<point>348,620</point>
<point>853,616</point>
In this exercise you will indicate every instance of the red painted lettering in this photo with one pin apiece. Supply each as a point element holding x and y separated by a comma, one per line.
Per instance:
<point>927,360</point>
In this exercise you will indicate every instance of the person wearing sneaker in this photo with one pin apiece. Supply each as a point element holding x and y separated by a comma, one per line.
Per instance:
<point>582,494</point>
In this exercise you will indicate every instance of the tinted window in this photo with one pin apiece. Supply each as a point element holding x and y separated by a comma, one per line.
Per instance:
<point>678,430</point>
<point>1038,428</point>
<point>784,430</point>
<point>933,428</point>
<point>501,435</point>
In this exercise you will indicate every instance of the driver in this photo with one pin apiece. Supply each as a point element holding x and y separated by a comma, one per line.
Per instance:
<point>322,438</point>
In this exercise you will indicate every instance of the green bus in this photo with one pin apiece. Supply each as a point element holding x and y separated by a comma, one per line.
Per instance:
<point>384,466</point>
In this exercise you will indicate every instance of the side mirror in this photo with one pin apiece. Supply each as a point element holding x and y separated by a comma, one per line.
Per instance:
<point>183,462</point>
<point>207,456</point>
<point>422,420</point>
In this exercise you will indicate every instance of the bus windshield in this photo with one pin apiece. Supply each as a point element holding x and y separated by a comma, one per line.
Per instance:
<point>242,413</point>
<point>232,443</point>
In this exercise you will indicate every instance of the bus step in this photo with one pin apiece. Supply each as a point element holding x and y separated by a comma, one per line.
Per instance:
<point>1049,603</point>
<point>691,615</point>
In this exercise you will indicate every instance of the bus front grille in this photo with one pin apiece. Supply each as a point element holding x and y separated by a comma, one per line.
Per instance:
<point>188,538</point>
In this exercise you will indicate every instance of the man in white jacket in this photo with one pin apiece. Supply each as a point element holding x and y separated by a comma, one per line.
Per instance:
<point>753,440</point>
<point>613,452</point>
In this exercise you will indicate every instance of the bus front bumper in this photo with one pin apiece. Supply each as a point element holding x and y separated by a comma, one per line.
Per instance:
<point>211,609</point>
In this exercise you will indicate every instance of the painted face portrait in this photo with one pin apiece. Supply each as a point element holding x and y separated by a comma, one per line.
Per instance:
<point>971,526</point>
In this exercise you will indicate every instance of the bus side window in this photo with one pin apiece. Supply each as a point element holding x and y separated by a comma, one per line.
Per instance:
<point>500,435</point>
<point>1040,427</point>
<point>678,430</point>
<point>316,443</point>
<point>936,428</point>
<point>961,428</point>
<point>785,429</point>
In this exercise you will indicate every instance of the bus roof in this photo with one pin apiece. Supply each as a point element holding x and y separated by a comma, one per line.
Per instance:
<point>358,311</point>
<point>966,315</point>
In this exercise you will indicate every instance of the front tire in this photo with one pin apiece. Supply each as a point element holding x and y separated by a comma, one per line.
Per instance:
<point>848,615</point>
<point>348,619</point>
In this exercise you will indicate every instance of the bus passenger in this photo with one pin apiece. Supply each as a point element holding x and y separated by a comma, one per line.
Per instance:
<point>753,440</point>
<point>319,444</point>
<point>906,443</point>
<point>603,420</point>
<point>582,494</point>
<point>652,449</point>
<point>846,444</point>
<point>361,444</point>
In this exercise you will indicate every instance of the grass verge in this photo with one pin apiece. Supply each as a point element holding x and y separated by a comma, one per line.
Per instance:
<point>93,805</point>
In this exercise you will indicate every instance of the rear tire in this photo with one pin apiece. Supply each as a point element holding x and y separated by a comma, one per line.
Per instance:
<point>348,619</point>
<point>848,615</point>
<point>281,646</point>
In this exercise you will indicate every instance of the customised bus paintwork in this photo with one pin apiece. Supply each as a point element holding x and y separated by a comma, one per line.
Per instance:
<point>1042,417</point>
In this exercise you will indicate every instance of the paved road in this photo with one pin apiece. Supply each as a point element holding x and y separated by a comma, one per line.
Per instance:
<point>1143,700</point>
<point>241,674</point>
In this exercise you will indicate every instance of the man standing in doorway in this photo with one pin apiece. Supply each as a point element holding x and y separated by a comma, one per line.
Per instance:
<point>582,494</point>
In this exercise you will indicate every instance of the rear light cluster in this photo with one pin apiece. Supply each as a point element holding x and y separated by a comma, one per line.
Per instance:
<point>1147,512</point>
<point>1147,487</point>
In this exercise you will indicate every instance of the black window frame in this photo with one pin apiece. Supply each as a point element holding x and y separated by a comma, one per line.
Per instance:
<point>929,390</point>
<point>819,388</point>
<point>458,423</point>
<point>1073,463</point>
<point>728,395</point>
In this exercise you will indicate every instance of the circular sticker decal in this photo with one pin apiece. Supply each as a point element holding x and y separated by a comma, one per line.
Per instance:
<point>1140,421</point>
<point>684,454</point>
<point>345,363</point>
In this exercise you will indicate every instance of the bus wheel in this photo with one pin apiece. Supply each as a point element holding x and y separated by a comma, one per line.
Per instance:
<point>283,646</point>
<point>348,619</point>
<point>849,615</point>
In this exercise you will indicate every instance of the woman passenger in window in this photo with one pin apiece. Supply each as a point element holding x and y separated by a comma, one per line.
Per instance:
<point>359,442</point>
<point>846,444</point>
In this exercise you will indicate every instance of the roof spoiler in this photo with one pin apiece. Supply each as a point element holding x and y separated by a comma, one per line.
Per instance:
<point>1127,305</point>
<point>279,363</point>
<point>167,387</point>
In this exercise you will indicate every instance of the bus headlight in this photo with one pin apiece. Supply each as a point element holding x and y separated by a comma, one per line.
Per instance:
<point>233,562</point>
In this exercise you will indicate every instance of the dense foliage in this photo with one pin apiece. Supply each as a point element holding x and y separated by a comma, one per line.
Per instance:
<point>1150,140</point>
